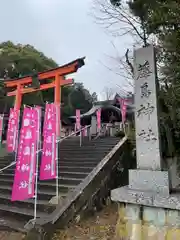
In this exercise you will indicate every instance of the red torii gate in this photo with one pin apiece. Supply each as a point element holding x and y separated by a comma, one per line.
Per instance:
<point>58,80</point>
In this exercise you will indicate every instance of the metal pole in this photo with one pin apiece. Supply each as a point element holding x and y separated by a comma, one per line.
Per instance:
<point>1,130</point>
<point>124,126</point>
<point>37,163</point>
<point>57,151</point>
<point>99,131</point>
<point>17,136</point>
<point>89,132</point>
<point>57,172</point>
<point>80,137</point>
<point>36,184</point>
<point>129,128</point>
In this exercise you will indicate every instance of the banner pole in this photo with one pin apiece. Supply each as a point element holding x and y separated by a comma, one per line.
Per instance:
<point>80,135</point>
<point>57,150</point>
<point>37,163</point>
<point>75,127</point>
<point>124,128</point>
<point>57,172</point>
<point>17,136</point>
<point>35,196</point>
<point>1,129</point>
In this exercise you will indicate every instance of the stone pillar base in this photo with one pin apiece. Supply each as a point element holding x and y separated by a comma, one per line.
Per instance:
<point>147,215</point>
<point>137,222</point>
<point>148,180</point>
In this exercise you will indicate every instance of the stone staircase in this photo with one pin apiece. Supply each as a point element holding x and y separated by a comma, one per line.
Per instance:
<point>75,164</point>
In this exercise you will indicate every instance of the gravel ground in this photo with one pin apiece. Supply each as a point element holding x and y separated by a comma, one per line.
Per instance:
<point>101,226</point>
<point>11,236</point>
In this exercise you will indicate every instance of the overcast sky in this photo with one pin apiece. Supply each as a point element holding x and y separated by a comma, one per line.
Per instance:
<point>64,31</point>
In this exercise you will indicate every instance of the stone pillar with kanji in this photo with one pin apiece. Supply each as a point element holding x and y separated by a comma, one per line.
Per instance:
<point>147,209</point>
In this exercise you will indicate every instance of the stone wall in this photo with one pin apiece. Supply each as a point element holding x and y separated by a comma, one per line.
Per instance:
<point>137,222</point>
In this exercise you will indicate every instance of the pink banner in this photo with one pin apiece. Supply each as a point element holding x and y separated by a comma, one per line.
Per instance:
<point>1,126</point>
<point>12,132</point>
<point>24,179</point>
<point>78,120</point>
<point>48,161</point>
<point>98,115</point>
<point>123,105</point>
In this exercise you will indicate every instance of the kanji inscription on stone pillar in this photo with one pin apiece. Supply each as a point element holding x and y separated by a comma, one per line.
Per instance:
<point>146,110</point>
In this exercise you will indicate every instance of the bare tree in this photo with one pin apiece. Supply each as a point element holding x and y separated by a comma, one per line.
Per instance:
<point>119,21</point>
<point>121,66</point>
<point>108,93</point>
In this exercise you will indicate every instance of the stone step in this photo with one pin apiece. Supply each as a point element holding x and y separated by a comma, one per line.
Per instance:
<point>67,145</point>
<point>42,195</point>
<point>95,150</point>
<point>91,157</point>
<point>5,164</point>
<point>72,138</point>
<point>44,185</point>
<point>83,169</point>
<point>85,154</point>
<point>76,148</point>
<point>90,144</point>
<point>75,164</point>
<point>106,139</point>
<point>7,158</point>
<point>69,168</point>
<point>61,157</point>
<point>69,181</point>
<point>93,145</point>
<point>42,205</point>
<point>74,142</point>
<point>8,223</point>
<point>62,180</point>
<point>76,175</point>
<point>61,169</point>
<point>65,163</point>
<point>79,159</point>
<point>88,150</point>
<point>23,214</point>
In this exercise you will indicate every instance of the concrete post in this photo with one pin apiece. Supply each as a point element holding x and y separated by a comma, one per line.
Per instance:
<point>93,128</point>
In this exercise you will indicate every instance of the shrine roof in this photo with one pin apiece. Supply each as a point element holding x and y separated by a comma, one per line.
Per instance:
<point>115,101</point>
<point>93,110</point>
<point>112,105</point>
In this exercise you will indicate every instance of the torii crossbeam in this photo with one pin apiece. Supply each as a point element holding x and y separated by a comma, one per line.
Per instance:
<point>24,85</point>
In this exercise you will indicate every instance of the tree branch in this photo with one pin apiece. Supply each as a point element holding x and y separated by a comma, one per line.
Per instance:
<point>128,62</point>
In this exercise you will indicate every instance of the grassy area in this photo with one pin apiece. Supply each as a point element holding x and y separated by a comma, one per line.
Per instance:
<point>101,226</point>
